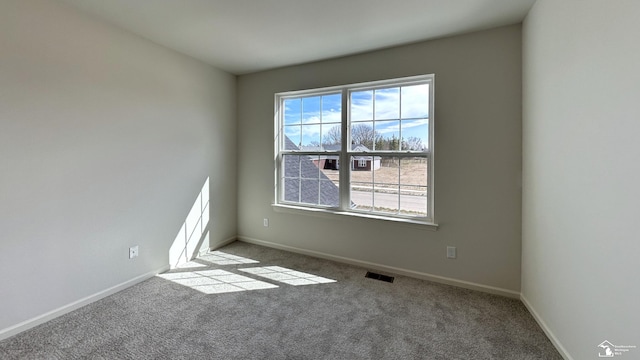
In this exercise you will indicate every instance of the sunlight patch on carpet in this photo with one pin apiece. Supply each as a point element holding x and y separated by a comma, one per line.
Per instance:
<point>216,281</point>
<point>222,258</point>
<point>287,276</point>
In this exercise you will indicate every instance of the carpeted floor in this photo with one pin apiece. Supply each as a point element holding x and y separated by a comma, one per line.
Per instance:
<point>286,306</point>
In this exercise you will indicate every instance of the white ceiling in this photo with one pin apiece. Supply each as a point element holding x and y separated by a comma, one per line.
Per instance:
<point>243,36</point>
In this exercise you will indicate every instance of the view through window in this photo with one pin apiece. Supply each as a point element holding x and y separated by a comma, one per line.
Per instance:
<point>362,148</point>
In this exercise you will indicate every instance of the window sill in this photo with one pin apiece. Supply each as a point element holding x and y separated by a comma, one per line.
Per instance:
<point>333,214</point>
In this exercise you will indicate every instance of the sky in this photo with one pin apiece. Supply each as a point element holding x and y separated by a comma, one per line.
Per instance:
<point>388,110</point>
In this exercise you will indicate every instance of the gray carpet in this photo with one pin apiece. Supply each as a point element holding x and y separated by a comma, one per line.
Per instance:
<point>351,318</point>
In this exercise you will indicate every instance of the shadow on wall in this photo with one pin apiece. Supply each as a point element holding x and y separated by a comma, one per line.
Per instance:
<point>193,236</point>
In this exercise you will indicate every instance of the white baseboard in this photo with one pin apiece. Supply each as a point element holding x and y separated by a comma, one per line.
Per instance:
<point>222,243</point>
<point>554,340</point>
<point>395,270</point>
<point>28,324</point>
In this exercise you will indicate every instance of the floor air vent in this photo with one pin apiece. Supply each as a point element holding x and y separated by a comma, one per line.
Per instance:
<point>372,275</point>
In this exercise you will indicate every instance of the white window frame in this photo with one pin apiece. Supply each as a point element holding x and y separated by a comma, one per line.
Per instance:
<point>345,153</point>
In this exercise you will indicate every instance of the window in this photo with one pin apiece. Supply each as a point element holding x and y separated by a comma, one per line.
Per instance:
<point>384,132</point>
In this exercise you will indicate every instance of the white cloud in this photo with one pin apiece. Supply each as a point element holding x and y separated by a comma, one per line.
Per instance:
<point>415,101</point>
<point>409,102</point>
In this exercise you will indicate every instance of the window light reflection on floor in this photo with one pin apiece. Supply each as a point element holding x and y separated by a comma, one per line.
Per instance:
<point>287,276</point>
<point>216,281</point>
<point>222,258</point>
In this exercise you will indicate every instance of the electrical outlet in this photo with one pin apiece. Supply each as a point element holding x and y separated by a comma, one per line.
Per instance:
<point>133,252</point>
<point>451,252</point>
<point>265,222</point>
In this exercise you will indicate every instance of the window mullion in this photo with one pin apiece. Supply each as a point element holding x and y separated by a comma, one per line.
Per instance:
<point>400,121</point>
<point>299,179</point>
<point>319,197</point>
<point>345,161</point>
<point>399,182</point>
<point>373,173</point>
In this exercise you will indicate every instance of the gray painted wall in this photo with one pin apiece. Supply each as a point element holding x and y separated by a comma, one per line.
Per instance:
<point>580,266</point>
<point>105,142</point>
<point>478,160</point>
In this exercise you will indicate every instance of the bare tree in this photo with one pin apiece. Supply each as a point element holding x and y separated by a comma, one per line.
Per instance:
<point>413,143</point>
<point>333,136</point>
<point>363,134</point>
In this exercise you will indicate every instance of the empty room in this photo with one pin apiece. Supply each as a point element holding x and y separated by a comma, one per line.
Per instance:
<point>297,179</point>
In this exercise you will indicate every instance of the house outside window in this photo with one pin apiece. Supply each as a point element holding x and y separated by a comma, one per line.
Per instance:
<point>383,130</point>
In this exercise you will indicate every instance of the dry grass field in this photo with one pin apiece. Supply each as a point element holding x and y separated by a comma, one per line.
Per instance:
<point>409,172</point>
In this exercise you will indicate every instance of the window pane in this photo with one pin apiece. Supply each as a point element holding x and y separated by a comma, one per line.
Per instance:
<point>387,174</point>
<point>292,139</point>
<point>359,175</point>
<point>311,136</point>
<point>388,135</point>
<point>361,196</point>
<point>413,201</point>
<point>415,101</point>
<point>309,191</point>
<point>413,171</point>
<point>332,108</point>
<point>331,168</point>
<point>362,134</point>
<point>309,167</point>
<point>386,202</point>
<point>329,194</point>
<point>387,103</point>
<point>362,105</point>
<point>415,135</point>
<point>292,113</point>
<point>292,190</point>
<point>331,137</point>
<point>311,110</point>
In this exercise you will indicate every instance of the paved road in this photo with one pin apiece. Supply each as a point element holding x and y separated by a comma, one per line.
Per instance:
<point>409,202</point>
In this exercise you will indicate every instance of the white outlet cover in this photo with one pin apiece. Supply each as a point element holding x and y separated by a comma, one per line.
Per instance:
<point>451,252</point>
<point>133,252</point>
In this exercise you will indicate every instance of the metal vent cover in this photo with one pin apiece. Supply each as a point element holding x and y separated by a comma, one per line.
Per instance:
<point>372,275</point>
